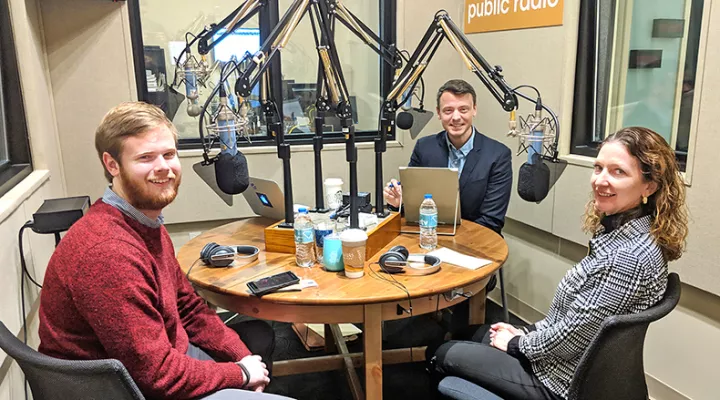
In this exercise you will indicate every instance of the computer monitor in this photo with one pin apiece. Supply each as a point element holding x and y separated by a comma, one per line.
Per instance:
<point>236,44</point>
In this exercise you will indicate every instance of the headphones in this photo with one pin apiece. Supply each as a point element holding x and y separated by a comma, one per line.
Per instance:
<point>399,260</point>
<point>215,255</point>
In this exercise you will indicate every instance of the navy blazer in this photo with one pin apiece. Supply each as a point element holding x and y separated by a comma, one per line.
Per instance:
<point>486,178</point>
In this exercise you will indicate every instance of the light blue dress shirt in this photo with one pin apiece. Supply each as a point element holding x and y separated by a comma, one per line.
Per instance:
<point>456,157</point>
<point>113,199</point>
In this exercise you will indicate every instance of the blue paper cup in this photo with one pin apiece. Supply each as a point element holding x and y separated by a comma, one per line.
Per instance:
<point>322,230</point>
<point>332,253</point>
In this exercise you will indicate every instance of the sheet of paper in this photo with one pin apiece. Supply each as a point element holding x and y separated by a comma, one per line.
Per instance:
<point>461,260</point>
<point>345,329</point>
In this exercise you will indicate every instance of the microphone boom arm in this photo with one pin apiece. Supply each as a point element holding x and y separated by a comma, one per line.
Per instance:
<point>441,28</point>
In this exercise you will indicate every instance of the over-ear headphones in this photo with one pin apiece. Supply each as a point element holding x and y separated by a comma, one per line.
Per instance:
<point>399,260</point>
<point>215,255</point>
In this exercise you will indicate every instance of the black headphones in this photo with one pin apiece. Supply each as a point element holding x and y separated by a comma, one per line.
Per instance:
<point>215,255</point>
<point>398,260</point>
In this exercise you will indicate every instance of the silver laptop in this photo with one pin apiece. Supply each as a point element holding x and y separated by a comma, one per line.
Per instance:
<point>442,183</point>
<point>265,198</point>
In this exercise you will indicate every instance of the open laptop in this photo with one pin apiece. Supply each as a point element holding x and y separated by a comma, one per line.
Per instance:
<point>265,198</point>
<point>442,183</point>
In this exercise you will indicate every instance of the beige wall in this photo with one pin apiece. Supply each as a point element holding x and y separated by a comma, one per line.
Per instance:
<point>47,181</point>
<point>76,61</point>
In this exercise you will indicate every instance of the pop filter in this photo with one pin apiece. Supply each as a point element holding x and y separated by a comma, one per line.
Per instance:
<point>414,120</point>
<point>207,174</point>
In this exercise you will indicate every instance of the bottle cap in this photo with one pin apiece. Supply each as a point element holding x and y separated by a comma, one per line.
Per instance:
<point>302,210</point>
<point>428,196</point>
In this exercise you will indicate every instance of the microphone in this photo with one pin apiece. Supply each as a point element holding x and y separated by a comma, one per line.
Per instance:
<point>534,175</point>
<point>536,129</point>
<point>415,120</point>
<point>404,120</point>
<point>231,170</point>
<point>194,73</point>
<point>534,179</point>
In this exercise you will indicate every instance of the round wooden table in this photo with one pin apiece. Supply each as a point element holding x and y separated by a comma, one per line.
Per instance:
<point>337,299</point>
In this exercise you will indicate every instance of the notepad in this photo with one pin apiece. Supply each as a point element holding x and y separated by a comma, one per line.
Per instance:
<point>461,260</point>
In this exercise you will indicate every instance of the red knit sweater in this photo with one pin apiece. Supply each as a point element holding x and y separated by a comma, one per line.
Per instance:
<point>113,289</point>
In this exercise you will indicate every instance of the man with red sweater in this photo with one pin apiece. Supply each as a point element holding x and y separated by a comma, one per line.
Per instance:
<point>114,289</point>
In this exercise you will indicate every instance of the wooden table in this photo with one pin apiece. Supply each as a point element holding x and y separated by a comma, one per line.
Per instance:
<point>369,300</point>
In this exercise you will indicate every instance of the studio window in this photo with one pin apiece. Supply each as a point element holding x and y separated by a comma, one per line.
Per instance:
<point>15,161</point>
<point>637,65</point>
<point>162,28</point>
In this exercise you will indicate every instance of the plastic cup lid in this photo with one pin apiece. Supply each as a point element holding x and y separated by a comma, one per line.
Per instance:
<point>353,235</point>
<point>333,182</point>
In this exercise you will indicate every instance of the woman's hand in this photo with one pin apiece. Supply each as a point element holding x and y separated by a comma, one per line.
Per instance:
<point>507,327</point>
<point>500,338</point>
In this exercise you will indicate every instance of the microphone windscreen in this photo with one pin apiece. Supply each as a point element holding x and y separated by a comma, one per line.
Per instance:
<point>404,120</point>
<point>231,173</point>
<point>533,181</point>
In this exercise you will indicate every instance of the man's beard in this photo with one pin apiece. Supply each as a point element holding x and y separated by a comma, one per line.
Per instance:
<point>142,199</point>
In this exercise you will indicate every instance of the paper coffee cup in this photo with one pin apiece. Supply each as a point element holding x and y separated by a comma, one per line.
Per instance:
<point>353,248</point>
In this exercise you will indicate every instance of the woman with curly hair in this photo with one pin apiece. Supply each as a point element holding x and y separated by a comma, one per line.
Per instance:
<point>638,220</point>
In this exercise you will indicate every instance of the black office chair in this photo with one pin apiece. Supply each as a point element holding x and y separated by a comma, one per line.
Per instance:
<point>612,366</point>
<point>54,379</point>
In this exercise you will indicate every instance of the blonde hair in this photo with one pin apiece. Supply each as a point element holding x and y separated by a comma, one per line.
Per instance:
<point>126,120</point>
<point>667,205</point>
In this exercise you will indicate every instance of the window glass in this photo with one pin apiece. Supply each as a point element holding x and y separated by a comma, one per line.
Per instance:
<point>165,25</point>
<point>646,56</point>
<point>359,67</point>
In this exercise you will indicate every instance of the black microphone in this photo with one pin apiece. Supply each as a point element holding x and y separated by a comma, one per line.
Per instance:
<point>534,180</point>
<point>231,172</point>
<point>404,120</point>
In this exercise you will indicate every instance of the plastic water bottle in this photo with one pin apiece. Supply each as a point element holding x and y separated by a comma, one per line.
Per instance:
<point>304,239</point>
<point>428,223</point>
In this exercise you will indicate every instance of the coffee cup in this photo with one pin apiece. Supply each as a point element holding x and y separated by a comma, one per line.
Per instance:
<point>354,242</point>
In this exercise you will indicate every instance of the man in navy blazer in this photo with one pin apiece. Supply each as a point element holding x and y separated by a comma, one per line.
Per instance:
<point>484,164</point>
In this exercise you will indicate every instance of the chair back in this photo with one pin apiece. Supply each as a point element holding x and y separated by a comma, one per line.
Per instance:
<point>612,366</point>
<point>54,379</point>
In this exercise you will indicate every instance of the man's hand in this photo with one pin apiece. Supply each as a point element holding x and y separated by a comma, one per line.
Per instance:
<point>503,326</point>
<point>500,338</point>
<point>258,379</point>
<point>393,193</point>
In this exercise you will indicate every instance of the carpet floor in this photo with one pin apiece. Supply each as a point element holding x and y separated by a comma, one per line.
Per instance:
<point>400,381</point>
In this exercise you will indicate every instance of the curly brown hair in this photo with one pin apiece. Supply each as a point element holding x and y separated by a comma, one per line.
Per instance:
<point>667,205</point>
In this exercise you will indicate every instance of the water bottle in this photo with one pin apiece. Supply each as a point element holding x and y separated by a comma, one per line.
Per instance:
<point>428,223</point>
<point>304,239</point>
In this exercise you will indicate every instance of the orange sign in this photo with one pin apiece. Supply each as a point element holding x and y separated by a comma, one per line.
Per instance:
<point>500,15</point>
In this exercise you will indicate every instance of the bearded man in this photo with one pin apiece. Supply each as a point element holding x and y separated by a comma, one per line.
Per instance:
<point>114,289</point>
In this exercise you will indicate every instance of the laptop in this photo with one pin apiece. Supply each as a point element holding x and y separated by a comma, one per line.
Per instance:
<point>265,198</point>
<point>442,183</point>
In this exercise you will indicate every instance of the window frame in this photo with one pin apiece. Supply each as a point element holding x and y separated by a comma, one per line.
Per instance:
<point>19,162</point>
<point>268,18</point>
<point>585,121</point>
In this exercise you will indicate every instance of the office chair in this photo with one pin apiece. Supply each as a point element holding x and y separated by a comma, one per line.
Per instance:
<point>611,367</point>
<point>54,379</point>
